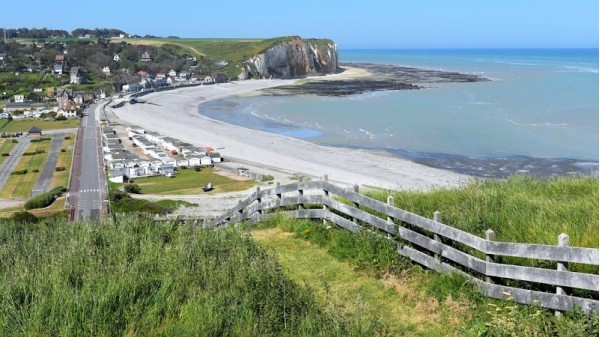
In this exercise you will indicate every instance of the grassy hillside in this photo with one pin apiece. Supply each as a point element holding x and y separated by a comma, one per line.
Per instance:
<point>137,278</point>
<point>521,209</point>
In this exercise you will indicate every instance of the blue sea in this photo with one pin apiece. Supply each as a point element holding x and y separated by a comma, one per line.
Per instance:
<point>538,115</point>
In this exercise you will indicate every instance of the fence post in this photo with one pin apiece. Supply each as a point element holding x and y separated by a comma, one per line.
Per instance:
<point>241,211</point>
<point>300,194</point>
<point>278,194</point>
<point>490,236</point>
<point>258,200</point>
<point>356,205</point>
<point>437,217</point>
<point>563,241</point>
<point>390,220</point>
<point>326,193</point>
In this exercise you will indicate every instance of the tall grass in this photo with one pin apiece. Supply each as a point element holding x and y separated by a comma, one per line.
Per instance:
<point>482,316</point>
<point>137,278</point>
<point>520,209</point>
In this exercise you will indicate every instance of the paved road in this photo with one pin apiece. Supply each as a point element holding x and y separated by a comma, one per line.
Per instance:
<point>11,162</point>
<point>91,187</point>
<point>45,179</point>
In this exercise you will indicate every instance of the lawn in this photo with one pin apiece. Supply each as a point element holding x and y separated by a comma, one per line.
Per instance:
<point>190,182</point>
<point>20,186</point>
<point>64,160</point>
<point>6,145</point>
<point>25,125</point>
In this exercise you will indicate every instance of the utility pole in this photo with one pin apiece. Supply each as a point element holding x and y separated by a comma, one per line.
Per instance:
<point>4,29</point>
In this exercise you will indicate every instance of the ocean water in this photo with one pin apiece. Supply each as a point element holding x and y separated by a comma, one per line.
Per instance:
<point>538,115</point>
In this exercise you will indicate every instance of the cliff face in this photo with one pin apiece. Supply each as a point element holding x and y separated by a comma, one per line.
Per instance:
<point>293,58</point>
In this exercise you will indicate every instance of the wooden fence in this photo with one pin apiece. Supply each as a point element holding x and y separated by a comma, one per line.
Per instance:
<point>433,244</point>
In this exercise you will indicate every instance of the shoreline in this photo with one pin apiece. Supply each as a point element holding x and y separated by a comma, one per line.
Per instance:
<point>175,113</point>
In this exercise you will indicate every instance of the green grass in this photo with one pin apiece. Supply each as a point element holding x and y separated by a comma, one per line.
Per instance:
<point>3,122</point>
<point>25,125</point>
<point>362,275</point>
<point>64,160</point>
<point>136,278</point>
<point>25,82</point>
<point>190,182</point>
<point>20,186</point>
<point>6,146</point>
<point>521,209</point>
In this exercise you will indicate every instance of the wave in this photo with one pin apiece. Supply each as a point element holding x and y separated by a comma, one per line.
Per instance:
<point>547,124</point>
<point>578,69</point>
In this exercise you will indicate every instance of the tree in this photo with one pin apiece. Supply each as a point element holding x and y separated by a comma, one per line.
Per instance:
<point>133,188</point>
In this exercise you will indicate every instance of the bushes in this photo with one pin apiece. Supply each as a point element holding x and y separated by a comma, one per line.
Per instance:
<point>133,188</point>
<point>45,199</point>
<point>5,154</point>
<point>24,217</point>
<point>59,168</point>
<point>18,172</point>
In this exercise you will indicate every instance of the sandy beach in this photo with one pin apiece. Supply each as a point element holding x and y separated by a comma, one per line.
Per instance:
<point>175,113</point>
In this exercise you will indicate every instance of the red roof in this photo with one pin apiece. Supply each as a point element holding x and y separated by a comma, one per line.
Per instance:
<point>59,58</point>
<point>142,73</point>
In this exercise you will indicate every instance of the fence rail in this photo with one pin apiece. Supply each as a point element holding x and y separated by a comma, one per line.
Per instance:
<point>433,244</point>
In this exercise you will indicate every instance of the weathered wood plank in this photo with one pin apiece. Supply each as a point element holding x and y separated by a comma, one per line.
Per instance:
<point>308,214</point>
<point>544,252</point>
<point>359,214</point>
<point>546,300</point>
<point>342,222</point>
<point>278,190</point>
<point>523,296</point>
<point>445,251</point>
<point>546,276</point>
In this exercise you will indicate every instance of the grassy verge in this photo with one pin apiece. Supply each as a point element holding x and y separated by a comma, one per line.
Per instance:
<point>65,158</point>
<point>6,145</point>
<point>26,124</point>
<point>363,275</point>
<point>521,209</point>
<point>20,186</point>
<point>136,278</point>
<point>190,182</point>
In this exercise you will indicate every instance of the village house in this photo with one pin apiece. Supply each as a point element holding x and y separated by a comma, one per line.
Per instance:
<point>116,58</point>
<point>63,97</point>
<point>35,131</point>
<point>106,70</point>
<point>72,113</point>
<point>59,64</point>
<point>172,73</point>
<point>19,98</point>
<point>78,76</point>
<point>161,76</point>
<point>146,57</point>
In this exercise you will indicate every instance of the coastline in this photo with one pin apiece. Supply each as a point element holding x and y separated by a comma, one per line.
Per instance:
<point>175,113</point>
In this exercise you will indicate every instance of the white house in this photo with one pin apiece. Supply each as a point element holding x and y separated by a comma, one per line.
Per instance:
<point>19,98</point>
<point>205,161</point>
<point>116,58</point>
<point>194,161</point>
<point>172,73</point>
<point>183,162</point>
<point>66,113</point>
<point>106,70</point>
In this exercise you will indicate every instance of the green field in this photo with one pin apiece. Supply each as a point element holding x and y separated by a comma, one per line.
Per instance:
<point>61,178</point>
<point>20,186</point>
<point>25,125</point>
<point>188,181</point>
<point>6,145</point>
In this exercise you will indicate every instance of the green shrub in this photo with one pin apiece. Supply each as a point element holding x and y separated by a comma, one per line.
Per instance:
<point>19,172</point>
<point>267,178</point>
<point>63,150</point>
<point>5,154</point>
<point>45,199</point>
<point>29,153</point>
<point>59,168</point>
<point>133,188</point>
<point>35,171</point>
<point>15,141</point>
<point>67,137</point>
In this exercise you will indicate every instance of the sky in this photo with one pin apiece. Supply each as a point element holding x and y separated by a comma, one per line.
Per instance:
<point>376,24</point>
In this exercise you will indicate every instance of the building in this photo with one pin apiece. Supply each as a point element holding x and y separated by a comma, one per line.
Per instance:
<point>78,76</point>
<point>63,97</point>
<point>35,131</point>
<point>68,113</point>
<point>116,58</point>
<point>161,76</point>
<point>106,70</point>
<point>146,57</point>
<point>19,98</point>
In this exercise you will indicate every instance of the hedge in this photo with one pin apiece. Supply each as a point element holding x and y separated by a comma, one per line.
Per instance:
<point>45,199</point>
